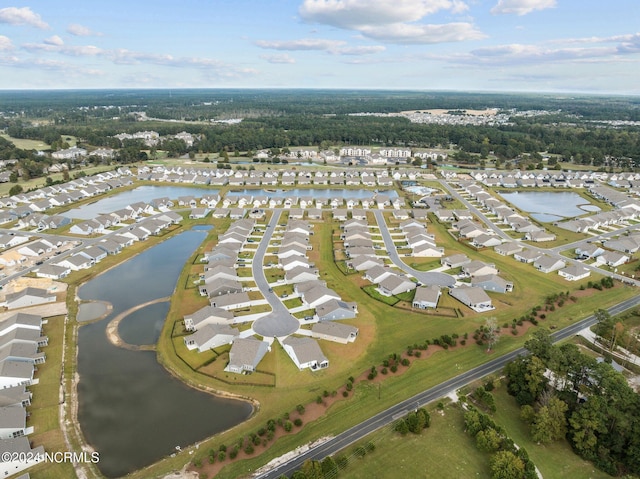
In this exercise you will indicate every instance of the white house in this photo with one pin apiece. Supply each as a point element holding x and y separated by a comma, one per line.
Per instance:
<point>305,353</point>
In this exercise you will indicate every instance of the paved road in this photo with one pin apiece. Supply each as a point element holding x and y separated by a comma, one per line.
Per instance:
<point>279,322</point>
<point>425,277</point>
<point>348,437</point>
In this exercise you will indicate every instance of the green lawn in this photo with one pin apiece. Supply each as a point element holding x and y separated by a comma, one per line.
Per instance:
<point>443,450</point>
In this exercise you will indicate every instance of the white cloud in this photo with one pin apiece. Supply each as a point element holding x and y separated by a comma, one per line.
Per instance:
<point>425,34</point>
<point>54,40</point>
<point>521,7</point>
<point>354,14</point>
<point>361,50</point>
<point>513,54</point>
<point>281,58</point>
<point>5,44</point>
<point>81,31</point>
<point>302,44</point>
<point>392,21</point>
<point>335,47</point>
<point>56,45</point>
<point>21,16</point>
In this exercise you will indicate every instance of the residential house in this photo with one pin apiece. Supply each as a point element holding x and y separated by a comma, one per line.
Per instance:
<point>305,353</point>
<point>336,309</point>
<point>28,297</point>
<point>507,249</point>
<point>527,256</point>
<point>426,297</point>
<point>455,261</point>
<point>548,264</point>
<point>211,336</point>
<point>246,354</point>
<point>395,284</point>
<point>205,316</point>
<point>473,297</point>
<point>492,282</point>
<point>53,271</point>
<point>574,272</point>
<point>333,331</point>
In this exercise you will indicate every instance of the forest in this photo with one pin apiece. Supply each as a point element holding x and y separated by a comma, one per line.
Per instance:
<point>566,393</point>
<point>587,130</point>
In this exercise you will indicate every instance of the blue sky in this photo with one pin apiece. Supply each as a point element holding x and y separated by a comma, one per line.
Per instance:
<point>590,46</point>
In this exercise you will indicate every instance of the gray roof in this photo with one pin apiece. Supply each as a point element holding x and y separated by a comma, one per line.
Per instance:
<point>247,352</point>
<point>28,291</point>
<point>313,295</point>
<point>470,295</point>
<point>20,350</point>
<point>209,312</point>
<point>52,270</point>
<point>26,319</point>
<point>13,417</point>
<point>211,330</point>
<point>305,349</point>
<point>333,305</point>
<point>333,328</point>
<point>13,395</point>
<point>16,369</point>
<point>427,294</point>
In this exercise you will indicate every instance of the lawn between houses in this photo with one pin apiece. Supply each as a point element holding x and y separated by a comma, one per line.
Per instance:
<point>383,330</point>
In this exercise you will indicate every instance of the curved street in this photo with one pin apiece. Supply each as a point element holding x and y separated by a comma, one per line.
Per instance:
<point>280,322</point>
<point>425,277</point>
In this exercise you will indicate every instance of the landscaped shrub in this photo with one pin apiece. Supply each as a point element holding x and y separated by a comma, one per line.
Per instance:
<point>393,368</point>
<point>222,456</point>
<point>298,422</point>
<point>288,426</point>
<point>248,449</point>
<point>300,409</point>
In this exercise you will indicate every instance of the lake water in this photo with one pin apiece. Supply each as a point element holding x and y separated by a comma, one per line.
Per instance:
<point>144,325</point>
<point>323,192</point>
<point>141,193</point>
<point>130,409</point>
<point>547,206</point>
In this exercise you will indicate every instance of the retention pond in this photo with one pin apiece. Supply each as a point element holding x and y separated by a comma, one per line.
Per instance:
<point>131,410</point>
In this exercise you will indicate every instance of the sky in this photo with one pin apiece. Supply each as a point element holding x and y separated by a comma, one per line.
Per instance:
<point>579,46</point>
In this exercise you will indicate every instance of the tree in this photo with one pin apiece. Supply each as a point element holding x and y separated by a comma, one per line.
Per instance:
<point>15,190</point>
<point>492,332</point>
<point>312,469</point>
<point>506,465</point>
<point>488,440</point>
<point>550,423</point>
<point>329,467</point>
<point>540,344</point>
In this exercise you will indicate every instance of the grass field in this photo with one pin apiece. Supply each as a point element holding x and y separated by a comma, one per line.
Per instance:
<point>443,450</point>
<point>553,460</point>
<point>24,144</point>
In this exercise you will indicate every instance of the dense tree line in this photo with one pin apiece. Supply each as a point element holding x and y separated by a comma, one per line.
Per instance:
<point>564,393</point>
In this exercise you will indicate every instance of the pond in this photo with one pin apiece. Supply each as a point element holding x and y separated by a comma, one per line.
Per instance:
<point>142,193</point>
<point>130,409</point>
<point>547,206</point>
